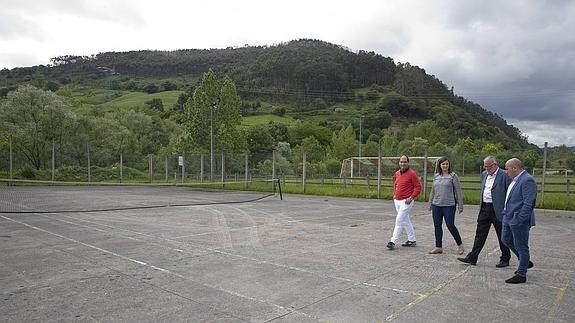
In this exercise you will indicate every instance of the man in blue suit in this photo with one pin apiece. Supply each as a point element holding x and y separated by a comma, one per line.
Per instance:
<point>494,183</point>
<point>518,216</point>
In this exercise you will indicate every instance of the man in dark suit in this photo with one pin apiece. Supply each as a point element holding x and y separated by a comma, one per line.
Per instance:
<point>518,216</point>
<point>494,183</point>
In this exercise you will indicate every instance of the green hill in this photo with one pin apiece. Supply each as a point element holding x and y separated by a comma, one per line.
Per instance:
<point>304,79</point>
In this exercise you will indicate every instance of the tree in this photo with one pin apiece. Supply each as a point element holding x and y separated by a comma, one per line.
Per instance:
<point>156,104</point>
<point>427,129</point>
<point>343,144</point>
<point>36,119</point>
<point>315,152</point>
<point>258,139</point>
<point>213,114</point>
<point>492,149</point>
<point>465,147</point>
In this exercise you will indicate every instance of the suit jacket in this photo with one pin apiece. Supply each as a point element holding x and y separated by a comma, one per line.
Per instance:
<point>498,191</point>
<point>521,201</point>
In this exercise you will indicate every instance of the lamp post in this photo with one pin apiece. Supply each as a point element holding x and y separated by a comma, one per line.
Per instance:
<point>359,160</point>
<point>212,141</point>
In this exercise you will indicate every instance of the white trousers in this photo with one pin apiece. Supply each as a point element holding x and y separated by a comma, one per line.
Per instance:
<point>402,221</point>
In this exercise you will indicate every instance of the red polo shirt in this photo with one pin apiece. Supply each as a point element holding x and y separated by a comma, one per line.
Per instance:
<point>406,184</point>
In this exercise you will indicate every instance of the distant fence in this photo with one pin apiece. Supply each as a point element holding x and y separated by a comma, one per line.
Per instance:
<point>372,173</point>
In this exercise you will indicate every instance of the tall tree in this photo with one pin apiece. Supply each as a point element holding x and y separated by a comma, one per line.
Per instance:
<point>213,114</point>
<point>343,144</point>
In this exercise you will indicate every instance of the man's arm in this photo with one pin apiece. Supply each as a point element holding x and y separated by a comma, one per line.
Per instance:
<point>529,192</point>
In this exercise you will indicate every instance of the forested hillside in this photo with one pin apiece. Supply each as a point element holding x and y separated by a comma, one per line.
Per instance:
<point>312,89</point>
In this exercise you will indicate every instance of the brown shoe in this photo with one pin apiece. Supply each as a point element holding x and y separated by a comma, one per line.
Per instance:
<point>460,249</point>
<point>436,251</point>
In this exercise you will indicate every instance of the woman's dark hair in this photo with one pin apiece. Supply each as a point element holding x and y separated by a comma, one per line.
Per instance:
<point>438,165</point>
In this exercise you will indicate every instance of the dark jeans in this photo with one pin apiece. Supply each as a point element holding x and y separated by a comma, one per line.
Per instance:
<point>516,237</point>
<point>447,212</point>
<point>485,219</point>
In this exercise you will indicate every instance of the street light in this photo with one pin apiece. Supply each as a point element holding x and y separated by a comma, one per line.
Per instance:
<point>212,108</point>
<point>359,160</point>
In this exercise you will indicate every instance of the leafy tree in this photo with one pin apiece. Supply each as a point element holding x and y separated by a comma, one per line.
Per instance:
<point>301,130</point>
<point>492,149</point>
<point>371,147</point>
<point>258,139</point>
<point>315,152</point>
<point>36,119</point>
<point>278,131</point>
<point>343,144</point>
<point>169,86</point>
<point>213,113</point>
<point>389,142</point>
<point>156,104</point>
<point>151,88</point>
<point>427,129</point>
<point>465,147</point>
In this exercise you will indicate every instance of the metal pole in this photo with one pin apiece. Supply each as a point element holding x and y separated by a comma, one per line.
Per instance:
<point>223,169</point>
<point>273,165</point>
<point>121,168</point>
<point>53,159</point>
<point>150,168</point>
<point>379,173</point>
<point>201,168</point>
<point>246,171</point>
<point>543,177</point>
<point>89,174</point>
<point>303,172</point>
<point>425,177</point>
<point>11,172</point>
<point>359,161</point>
<point>183,168</point>
<point>166,166</point>
<point>212,143</point>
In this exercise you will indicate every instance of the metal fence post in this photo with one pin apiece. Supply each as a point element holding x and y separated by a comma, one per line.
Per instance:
<point>223,169</point>
<point>543,177</point>
<point>246,171</point>
<point>379,173</point>
<point>89,170</point>
<point>166,166</point>
<point>150,168</point>
<point>303,171</point>
<point>11,158</point>
<point>53,159</point>
<point>425,176</point>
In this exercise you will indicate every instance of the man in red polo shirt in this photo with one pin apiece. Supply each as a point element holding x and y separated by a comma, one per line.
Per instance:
<point>406,187</point>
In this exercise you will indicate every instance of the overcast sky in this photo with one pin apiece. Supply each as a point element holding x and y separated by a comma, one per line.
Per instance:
<point>515,58</point>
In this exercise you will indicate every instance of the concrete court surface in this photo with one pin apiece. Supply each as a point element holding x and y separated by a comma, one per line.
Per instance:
<point>303,259</point>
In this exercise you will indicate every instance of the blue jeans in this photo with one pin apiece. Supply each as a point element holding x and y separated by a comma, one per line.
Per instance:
<point>516,237</point>
<point>447,212</point>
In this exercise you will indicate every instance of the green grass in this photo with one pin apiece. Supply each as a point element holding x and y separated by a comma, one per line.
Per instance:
<point>250,121</point>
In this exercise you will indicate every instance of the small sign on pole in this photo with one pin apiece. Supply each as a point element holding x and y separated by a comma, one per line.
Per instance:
<point>180,160</point>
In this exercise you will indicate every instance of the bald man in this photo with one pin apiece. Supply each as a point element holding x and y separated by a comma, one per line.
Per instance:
<point>519,216</point>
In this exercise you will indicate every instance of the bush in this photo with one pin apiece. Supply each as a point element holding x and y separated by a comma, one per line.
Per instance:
<point>26,172</point>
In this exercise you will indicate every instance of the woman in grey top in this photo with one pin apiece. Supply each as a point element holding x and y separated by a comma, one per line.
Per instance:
<point>445,194</point>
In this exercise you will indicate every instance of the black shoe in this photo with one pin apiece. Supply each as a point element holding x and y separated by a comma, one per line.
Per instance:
<point>467,260</point>
<point>502,263</point>
<point>409,244</point>
<point>528,266</point>
<point>516,280</point>
<point>390,245</point>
